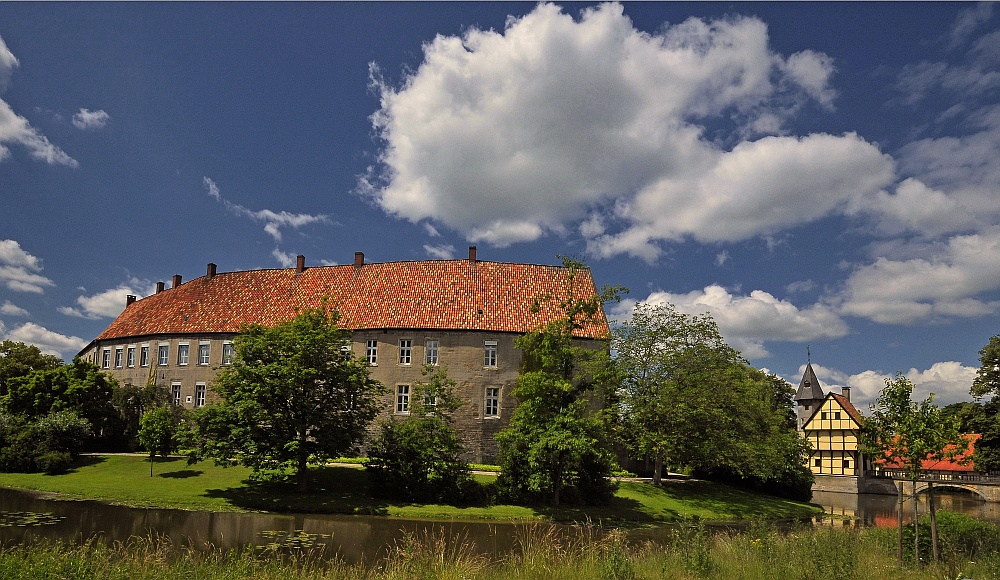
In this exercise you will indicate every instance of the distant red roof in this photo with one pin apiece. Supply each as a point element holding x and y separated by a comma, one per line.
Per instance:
<point>945,464</point>
<point>437,294</point>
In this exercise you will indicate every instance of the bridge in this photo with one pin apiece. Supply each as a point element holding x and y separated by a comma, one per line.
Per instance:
<point>985,486</point>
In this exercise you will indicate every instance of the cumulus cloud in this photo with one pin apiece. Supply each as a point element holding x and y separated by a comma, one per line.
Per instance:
<point>16,130</point>
<point>441,252</point>
<point>108,303</point>
<point>946,283</point>
<point>47,341</point>
<point>949,381</point>
<point>747,322</point>
<point>557,124</point>
<point>10,309</point>
<point>273,221</point>
<point>86,119</point>
<point>19,270</point>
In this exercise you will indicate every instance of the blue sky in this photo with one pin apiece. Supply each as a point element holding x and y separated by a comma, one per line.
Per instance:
<point>819,174</point>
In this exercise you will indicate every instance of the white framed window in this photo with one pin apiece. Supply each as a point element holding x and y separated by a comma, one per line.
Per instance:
<point>228,352</point>
<point>144,355</point>
<point>405,351</point>
<point>163,355</point>
<point>490,354</point>
<point>491,407</point>
<point>130,357</point>
<point>106,358</point>
<point>183,353</point>
<point>175,393</point>
<point>371,352</point>
<point>402,399</point>
<point>431,352</point>
<point>119,352</point>
<point>199,395</point>
<point>203,351</point>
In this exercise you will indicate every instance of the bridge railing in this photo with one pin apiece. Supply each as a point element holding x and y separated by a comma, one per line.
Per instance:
<point>944,477</point>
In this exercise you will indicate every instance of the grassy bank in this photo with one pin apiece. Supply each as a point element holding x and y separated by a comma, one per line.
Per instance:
<point>342,489</point>
<point>758,554</point>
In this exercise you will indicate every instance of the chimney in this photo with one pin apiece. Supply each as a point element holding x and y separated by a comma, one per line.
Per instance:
<point>847,393</point>
<point>129,299</point>
<point>472,254</point>
<point>211,271</point>
<point>177,281</point>
<point>359,258</point>
<point>300,263</point>
<point>159,287</point>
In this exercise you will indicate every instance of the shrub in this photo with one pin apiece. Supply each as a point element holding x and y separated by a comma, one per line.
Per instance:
<point>54,462</point>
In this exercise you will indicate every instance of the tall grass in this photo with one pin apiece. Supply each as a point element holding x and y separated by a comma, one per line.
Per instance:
<point>543,552</point>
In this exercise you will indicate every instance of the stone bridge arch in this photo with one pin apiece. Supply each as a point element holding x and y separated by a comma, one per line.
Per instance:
<point>986,492</point>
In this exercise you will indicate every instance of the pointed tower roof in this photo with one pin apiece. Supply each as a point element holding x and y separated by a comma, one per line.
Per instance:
<point>809,388</point>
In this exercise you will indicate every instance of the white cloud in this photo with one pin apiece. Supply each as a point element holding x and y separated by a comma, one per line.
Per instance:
<point>747,322</point>
<point>19,269</point>
<point>441,252</point>
<point>950,382</point>
<point>968,21</point>
<point>109,303</point>
<point>10,309</point>
<point>721,258</point>
<point>558,124</point>
<point>49,342</point>
<point>86,119</point>
<point>8,62</point>
<point>285,259</point>
<point>273,221</point>
<point>944,284</point>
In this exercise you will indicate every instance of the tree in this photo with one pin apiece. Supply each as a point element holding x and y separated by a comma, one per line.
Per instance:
<point>132,403</point>
<point>418,458</point>
<point>901,432</point>
<point>556,439</point>
<point>987,381</point>
<point>690,401</point>
<point>18,359</point>
<point>158,430</point>
<point>294,393</point>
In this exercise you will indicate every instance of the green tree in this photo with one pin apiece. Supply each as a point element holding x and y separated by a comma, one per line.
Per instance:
<point>987,381</point>
<point>158,430</point>
<point>690,401</point>
<point>80,387</point>
<point>905,433</point>
<point>18,359</point>
<point>295,393</point>
<point>132,403</point>
<point>418,457</point>
<point>556,438</point>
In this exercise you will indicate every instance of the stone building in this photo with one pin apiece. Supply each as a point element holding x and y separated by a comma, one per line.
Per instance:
<point>461,314</point>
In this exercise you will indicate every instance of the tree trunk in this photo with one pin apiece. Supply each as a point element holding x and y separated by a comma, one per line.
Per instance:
<point>557,482</point>
<point>916,526</point>
<point>302,473</point>
<point>899,526</point>
<point>151,464</point>
<point>658,468</point>
<point>934,531</point>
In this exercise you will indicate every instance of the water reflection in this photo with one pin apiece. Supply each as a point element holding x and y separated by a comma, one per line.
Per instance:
<point>880,510</point>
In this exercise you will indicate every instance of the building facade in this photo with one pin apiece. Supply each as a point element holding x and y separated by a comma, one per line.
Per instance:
<point>460,314</point>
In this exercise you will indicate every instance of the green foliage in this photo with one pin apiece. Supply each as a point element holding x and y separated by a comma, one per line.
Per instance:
<point>691,402</point>
<point>556,438</point>
<point>418,458</point>
<point>294,393</point>
<point>18,359</point>
<point>48,443</point>
<point>987,381</point>
<point>131,403</point>
<point>158,431</point>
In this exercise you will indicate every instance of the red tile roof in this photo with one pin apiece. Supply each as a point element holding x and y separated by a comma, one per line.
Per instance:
<point>438,294</point>
<point>965,456</point>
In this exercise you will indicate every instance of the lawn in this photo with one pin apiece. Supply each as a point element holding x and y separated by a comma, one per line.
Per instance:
<point>342,489</point>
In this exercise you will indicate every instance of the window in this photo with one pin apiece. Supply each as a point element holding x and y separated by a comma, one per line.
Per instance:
<point>371,352</point>
<point>818,462</point>
<point>490,354</point>
<point>183,351</point>
<point>806,407</point>
<point>847,464</point>
<point>175,393</point>
<point>836,415</point>
<point>405,350</point>
<point>106,359</point>
<point>227,353</point>
<point>144,355</point>
<point>130,357</point>
<point>430,401</point>
<point>823,415</point>
<point>118,357</point>
<point>199,394</point>
<point>203,349</point>
<point>402,399</point>
<point>492,406</point>
<point>162,356</point>
<point>431,352</point>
